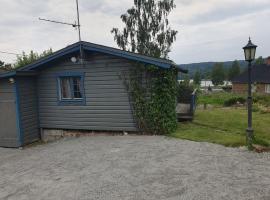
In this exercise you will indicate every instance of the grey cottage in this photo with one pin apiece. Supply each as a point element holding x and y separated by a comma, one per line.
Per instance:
<point>56,92</point>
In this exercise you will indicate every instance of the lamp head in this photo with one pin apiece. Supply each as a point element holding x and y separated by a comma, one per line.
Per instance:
<point>250,51</point>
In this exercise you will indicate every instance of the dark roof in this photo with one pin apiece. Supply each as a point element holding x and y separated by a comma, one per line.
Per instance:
<point>259,74</point>
<point>17,73</point>
<point>2,71</point>
<point>87,46</point>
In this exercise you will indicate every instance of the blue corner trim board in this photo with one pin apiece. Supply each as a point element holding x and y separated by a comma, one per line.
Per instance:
<point>18,117</point>
<point>70,102</point>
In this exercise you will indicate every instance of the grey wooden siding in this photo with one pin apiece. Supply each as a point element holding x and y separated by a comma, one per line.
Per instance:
<point>8,126</point>
<point>27,92</point>
<point>107,101</point>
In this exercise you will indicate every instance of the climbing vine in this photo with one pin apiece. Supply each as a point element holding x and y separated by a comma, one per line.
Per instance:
<point>153,90</point>
<point>153,97</point>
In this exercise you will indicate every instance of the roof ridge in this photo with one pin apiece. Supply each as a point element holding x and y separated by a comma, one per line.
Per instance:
<point>91,43</point>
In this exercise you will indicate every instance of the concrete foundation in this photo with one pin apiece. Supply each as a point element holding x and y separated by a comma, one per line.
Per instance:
<point>48,135</point>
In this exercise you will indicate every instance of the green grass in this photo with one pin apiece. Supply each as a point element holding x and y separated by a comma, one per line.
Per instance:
<point>224,126</point>
<point>219,98</point>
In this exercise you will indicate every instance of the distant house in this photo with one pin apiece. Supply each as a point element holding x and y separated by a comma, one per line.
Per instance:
<point>59,92</point>
<point>260,77</point>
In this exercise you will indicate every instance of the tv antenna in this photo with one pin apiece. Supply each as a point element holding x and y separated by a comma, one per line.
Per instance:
<point>76,25</point>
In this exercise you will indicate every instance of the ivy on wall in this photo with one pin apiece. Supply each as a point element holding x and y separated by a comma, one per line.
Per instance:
<point>153,96</point>
<point>153,90</point>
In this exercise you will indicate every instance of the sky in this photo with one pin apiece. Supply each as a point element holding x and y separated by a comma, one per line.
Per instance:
<point>208,30</point>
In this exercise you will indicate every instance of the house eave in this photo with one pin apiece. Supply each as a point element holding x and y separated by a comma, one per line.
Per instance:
<point>86,46</point>
<point>17,73</point>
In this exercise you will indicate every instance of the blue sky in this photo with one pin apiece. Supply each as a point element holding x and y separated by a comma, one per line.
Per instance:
<point>209,30</point>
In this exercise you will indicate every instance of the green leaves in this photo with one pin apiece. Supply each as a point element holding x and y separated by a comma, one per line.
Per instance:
<point>161,107</point>
<point>234,70</point>
<point>218,74</point>
<point>197,78</point>
<point>26,59</point>
<point>147,32</point>
<point>147,29</point>
<point>154,99</point>
<point>1,63</point>
<point>259,60</point>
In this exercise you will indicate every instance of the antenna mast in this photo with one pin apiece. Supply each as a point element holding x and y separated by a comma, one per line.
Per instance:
<point>75,25</point>
<point>79,31</point>
<point>78,20</point>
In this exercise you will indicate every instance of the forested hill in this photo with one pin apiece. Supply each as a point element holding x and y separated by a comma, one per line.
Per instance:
<point>206,67</point>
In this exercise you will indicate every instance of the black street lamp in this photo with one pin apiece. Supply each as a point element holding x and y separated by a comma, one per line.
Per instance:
<point>250,51</point>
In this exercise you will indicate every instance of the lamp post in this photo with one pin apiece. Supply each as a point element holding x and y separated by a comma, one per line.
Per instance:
<point>250,51</point>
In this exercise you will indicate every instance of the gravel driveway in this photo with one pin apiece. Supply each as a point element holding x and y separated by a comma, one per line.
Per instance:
<point>132,167</point>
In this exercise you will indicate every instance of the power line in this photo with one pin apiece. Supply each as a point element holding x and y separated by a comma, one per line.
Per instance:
<point>10,53</point>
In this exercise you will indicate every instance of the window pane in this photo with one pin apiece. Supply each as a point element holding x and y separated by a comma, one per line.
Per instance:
<point>65,88</point>
<point>77,87</point>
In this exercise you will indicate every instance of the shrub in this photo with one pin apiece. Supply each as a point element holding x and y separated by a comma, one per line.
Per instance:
<point>184,92</point>
<point>227,88</point>
<point>234,100</point>
<point>262,99</point>
<point>257,107</point>
<point>215,98</point>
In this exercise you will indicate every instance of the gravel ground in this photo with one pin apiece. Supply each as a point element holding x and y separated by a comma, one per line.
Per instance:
<point>133,167</point>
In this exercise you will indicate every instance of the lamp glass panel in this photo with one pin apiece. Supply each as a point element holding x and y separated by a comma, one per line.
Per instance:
<point>247,54</point>
<point>253,52</point>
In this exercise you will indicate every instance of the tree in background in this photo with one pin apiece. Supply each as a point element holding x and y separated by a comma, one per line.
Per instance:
<point>207,74</point>
<point>147,31</point>
<point>234,70</point>
<point>185,79</point>
<point>218,74</point>
<point>1,63</point>
<point>5,67</point>
<point>197,78</point>
<point>26,59</point>
<point>259,60</point>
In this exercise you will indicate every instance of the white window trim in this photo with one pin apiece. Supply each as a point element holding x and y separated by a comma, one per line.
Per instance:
<point>267,88</point>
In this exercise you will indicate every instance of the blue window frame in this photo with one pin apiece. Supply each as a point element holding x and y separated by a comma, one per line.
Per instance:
<point>71,88</point>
